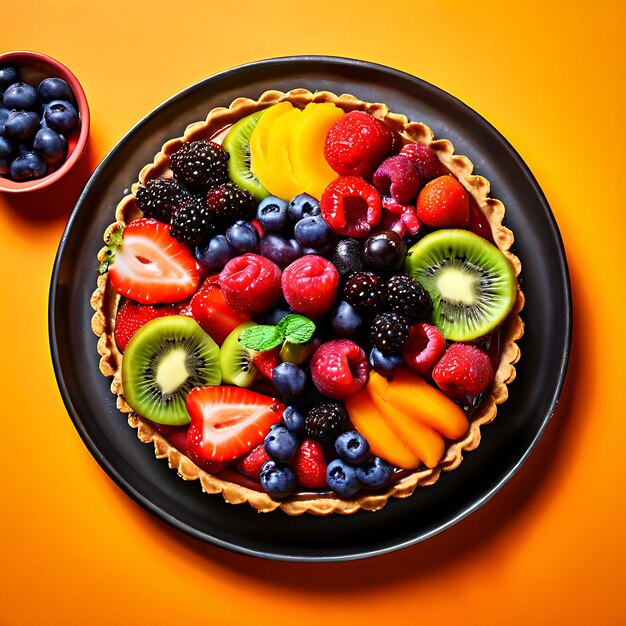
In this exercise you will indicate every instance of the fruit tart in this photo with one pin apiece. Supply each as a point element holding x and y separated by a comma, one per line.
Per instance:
<point>308,303</point>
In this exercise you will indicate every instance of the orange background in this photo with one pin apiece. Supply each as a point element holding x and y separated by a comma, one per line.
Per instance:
<point>549,547</point>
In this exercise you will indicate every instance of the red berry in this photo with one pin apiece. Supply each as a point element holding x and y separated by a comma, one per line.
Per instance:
<point>340,369</point>
<point>425,347</point>
<point>424,159</point>
<point>357,143</point>
<point>251,464</point>
<point>463,370</point>
<point>397,176</point>
<point>266,361</point>
<point>399,217</point>
<point>310,465</point>
<point>250,283</point>
<point>131,316</point>
<point>351,206</point>
<point>183,308</point>
<point>177,437</point>
<point>443,203</point>
<point>310,285</point>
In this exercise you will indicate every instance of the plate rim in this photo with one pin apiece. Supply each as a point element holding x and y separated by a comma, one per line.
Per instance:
<point>189,530</point>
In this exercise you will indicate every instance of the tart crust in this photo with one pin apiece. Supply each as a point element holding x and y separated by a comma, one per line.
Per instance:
<point>105,302</point>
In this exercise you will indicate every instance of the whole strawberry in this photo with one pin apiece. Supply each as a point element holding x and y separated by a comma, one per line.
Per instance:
<point>310,465</point>
<point>443,203</point>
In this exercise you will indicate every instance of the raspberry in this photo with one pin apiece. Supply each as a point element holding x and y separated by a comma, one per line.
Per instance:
<point>325,422</point>
<point>397,176</point>
<point>357,143</point>
<point>443,203</point>
<point>350,206</point>
<point>362,291</point>
<point>200,165</point>
<point>405,296</point>
<point>160,198</point>
<point>424,159</point>
<point>228,203</point>
<point>190,222</point>
<point>389,333</point>
<point>425,347</point>
<point>463,371</point>
<point>250,283</point>
<point>310,465</point>
<point>399,217</point>
<point>339,369</point>
<point>310,285</point>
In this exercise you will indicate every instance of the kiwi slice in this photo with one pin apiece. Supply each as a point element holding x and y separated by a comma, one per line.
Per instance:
<point>236,361</point>
<point>237,144</point>
<point>470,281</point>
<point>163,361</point>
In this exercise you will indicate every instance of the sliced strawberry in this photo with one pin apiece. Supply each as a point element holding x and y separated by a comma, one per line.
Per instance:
<point>183,308</point>
<point>210,310</point>
<point>131,316</point>
<point>310,465</point>
<point>149,266</point>
<point>177,437</point>
<point>227,422</point>
<point>266,361</point>
<point>252,463</point>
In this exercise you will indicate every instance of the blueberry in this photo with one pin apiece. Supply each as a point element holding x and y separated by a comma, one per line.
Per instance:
<point>215,253</point>
<point>384,364</point>
<point>374,473</point>
<point>61,115</point>
<point>5,166</point>
<point>20,96</point>
<point>272,214</point>
<point>347,257</point>
<point>345,319</point>
<point>243,236</point>
<point>281,444</point>
<point>7,147</point>
<point>8,76</point>
<point>28,165</point>
<point>277,480</point>
<point>4,114</point>
<point>303,205</point>
<point>50,145</point>
<point>289,379</point>
<point>54,89</point>
<point>352,447</point>
<point>21,124</point>
<point>280,250</point>
<point>312,231</point>
<point>276,313</point>
<point>341,478</point>
<point>293,418</point>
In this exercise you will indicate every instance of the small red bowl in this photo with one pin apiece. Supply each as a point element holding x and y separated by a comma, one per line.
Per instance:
<point>34,67</point>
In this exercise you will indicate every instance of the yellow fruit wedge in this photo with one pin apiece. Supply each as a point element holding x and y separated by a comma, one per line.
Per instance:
<point>412,395</point>
<point>382,439</point>
<point>423,440</point>
<point>306,151</point>
<point>259,139</point>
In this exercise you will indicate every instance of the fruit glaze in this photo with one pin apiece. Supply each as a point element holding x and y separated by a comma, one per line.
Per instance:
<point>309,303</point>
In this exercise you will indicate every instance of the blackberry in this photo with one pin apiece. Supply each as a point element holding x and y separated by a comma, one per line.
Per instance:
<point>200,165</point>
<point>389,332</point>
<point>405,296</point>
<point>362,291</point>
<point>227,204</point>
<point>190,222</point>
<point>160,198</point>
<point>325,422</point>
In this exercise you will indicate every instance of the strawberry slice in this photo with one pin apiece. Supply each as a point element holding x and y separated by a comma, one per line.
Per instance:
<point>227,422</point>
<point>210,310</point>
<point>131,316</point>
<point>266,361</point>
<point>252,463</point>
<point>148,265</point>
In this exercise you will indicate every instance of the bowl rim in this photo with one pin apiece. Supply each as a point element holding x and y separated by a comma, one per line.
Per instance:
<point>24,56</point>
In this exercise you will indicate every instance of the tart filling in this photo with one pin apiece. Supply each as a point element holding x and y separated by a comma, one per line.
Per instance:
<point>370,196</point>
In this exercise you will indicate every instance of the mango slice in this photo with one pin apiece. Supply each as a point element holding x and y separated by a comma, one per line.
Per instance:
<point>280,179</point>
<point>383,440</point>
<point>306,151</point>
<point>413,396</point>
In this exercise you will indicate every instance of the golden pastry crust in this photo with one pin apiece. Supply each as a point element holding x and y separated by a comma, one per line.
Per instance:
<point>105,302</point>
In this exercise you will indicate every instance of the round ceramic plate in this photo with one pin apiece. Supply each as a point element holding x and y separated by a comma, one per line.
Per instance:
<point>506,443</point>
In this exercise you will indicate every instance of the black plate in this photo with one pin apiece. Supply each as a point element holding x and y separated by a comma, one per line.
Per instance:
<point>506,442</point>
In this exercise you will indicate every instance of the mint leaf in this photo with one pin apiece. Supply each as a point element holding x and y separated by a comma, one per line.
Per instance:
<point>296,328</point>
<point>260,338</point>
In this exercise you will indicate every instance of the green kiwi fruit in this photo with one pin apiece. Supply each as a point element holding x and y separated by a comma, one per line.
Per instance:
<point>163,361</point>
<point>471,283</point>
<point>236,361</point>
<point>237,144</point>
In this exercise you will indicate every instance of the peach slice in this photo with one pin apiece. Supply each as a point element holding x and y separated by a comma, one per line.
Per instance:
<point>306,151</point>
<point>423,440</point>
<point>383,440</point>
<point>412,395</point>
